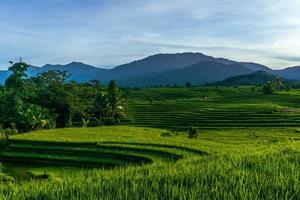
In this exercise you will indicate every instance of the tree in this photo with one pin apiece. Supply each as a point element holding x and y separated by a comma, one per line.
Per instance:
<point>16,111</point>
<point>188,84</point>
<point>277,84</point>
<point>268,88</point>
<point>101,106</point>
<point>52,93</point>
<point>272,87</point>
<point>16,80</point>
<point>51,100</point>
<point>115,100</point>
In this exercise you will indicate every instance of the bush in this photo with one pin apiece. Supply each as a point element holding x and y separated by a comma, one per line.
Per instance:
<point>193,132</point>
<point>4,178</point>
<point>166,134</point>
<point>10,131</point>
<point>110,121</point>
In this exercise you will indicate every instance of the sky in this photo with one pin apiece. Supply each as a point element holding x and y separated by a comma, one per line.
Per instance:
<point>105,33</point>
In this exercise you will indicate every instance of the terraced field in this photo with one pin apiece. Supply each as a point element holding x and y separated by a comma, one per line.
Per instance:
<point>47,152</point>
<point>248,148</point>
<point>125,162</point>
<point>216,111</point>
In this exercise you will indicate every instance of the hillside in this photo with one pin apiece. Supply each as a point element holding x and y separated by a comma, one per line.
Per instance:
<point>255,78</point>
<point>290,73</point>
<point>199,73</point>
<point>162,63</point>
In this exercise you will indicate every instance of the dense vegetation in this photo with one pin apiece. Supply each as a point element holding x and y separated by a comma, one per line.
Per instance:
<point>49,100</point>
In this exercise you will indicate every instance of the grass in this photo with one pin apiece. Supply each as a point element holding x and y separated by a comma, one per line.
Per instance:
<point>248,148</point>
<point>238,164</point>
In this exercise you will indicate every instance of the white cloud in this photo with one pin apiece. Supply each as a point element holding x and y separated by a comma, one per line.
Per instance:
<point>113,32</point>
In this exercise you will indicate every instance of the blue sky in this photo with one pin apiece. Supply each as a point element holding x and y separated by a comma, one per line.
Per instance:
<point>112,32</point>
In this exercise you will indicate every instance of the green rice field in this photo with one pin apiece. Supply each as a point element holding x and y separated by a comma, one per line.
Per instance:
<point>248,148</point>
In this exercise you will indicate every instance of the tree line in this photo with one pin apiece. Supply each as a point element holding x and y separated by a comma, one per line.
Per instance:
<point>49,100</point>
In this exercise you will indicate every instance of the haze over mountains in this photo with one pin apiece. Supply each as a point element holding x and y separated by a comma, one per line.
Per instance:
<point>164,69</point>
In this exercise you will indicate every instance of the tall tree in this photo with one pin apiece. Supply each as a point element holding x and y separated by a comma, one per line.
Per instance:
<point>16,111</point>
<point>277,84</point>
<point>16,80</point>
<point>115,99</point>
<point>51,93</point>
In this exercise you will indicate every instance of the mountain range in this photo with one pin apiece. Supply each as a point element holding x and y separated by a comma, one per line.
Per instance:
<point>163,69</point>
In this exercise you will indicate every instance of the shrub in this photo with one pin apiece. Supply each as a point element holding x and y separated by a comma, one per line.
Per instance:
<point>85,122</point>
<point>4,178</point>
<point>110,121</point>
<point>10,131</point>
<point>166,134</point>
<point>193,132</point>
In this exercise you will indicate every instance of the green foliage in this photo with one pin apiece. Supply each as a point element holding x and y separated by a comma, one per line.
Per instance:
<point>10,131</point>
<point>115,100</point>
<point>16,110</point>
<point>85,122</point>
<point>50,100</point>
<point>166,134</point>
<point>16,81</point>
<point>193,132</point>
<point>268,88</point>
<point>52,93</point>
<point>272,87</point>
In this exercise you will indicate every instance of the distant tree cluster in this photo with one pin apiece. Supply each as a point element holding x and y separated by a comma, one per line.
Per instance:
<point>49,100</point>
<point>272,87</point>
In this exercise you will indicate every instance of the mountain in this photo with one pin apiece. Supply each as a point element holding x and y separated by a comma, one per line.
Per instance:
<point>162,63</point>
<point>199,73</point>
<point>163,69</point>
<point>289,73</point>
<point>255,78</point>
<point>155,64</point>
<point>256,67</point>
<point>79,71</point>
<point>4,74</point>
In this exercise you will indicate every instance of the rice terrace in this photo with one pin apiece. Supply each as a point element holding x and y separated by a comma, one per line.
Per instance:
<point>149,100</point>
<point>248,147</point>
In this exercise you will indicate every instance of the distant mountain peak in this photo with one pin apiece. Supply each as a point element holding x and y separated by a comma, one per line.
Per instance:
<point>164,68</point>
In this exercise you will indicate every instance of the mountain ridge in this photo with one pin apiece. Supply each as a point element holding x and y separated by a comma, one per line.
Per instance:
<point>163,69</point>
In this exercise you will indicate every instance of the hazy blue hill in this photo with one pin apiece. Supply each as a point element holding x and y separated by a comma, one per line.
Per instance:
<point>4,74</point>
<point>289,73</point>
<point>137,72</point>
<point>155,64</point>
<point>163,69</point>
<point>199,73</point>
<point>255,78</point>
<point>80,72</point>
